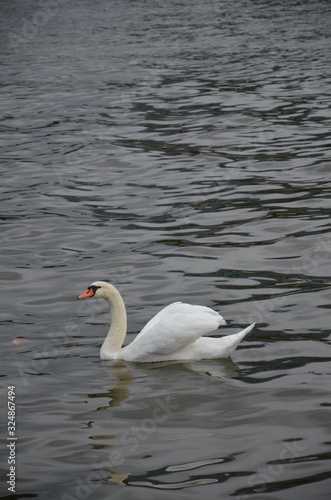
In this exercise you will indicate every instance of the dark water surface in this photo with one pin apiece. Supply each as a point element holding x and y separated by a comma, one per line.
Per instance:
<point>182,151</point>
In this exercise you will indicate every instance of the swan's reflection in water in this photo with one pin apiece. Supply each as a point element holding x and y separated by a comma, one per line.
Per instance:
<point>164,374</point>
<point>123,381</point>
<point>124,373</point>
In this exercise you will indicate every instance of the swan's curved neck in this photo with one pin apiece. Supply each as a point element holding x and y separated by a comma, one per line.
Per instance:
<point>117,331</point>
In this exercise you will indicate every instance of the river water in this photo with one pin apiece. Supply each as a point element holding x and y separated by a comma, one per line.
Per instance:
<point>180,150</point>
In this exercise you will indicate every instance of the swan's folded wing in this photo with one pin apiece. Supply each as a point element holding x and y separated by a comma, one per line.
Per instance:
<point>173,328</point>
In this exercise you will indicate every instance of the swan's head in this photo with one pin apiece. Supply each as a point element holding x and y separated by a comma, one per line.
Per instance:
<point>98,289</point>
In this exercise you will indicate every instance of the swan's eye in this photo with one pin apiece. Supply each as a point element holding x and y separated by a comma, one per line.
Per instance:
<point>93,288</point>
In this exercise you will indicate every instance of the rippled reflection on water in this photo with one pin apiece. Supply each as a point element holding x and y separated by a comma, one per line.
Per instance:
<point>182,152</point>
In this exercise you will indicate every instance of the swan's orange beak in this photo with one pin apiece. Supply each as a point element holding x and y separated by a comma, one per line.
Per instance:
<point>89,293</point>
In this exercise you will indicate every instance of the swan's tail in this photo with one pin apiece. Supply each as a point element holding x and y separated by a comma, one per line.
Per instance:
<point>220,347</point>
<point>226,345</point>
<point>244,332</point>
<point>230,342</point>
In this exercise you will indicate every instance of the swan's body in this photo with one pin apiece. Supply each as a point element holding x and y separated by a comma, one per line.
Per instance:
<point>175,333</point>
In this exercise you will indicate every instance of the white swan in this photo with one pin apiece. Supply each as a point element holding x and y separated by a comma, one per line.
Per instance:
<point>173,334</point>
